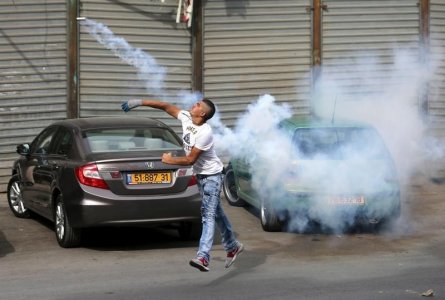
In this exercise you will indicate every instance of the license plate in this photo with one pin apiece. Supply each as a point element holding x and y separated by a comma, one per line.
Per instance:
<point>341,200</point>
<point>149,178</point>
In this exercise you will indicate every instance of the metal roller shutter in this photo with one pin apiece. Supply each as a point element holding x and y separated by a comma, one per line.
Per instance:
<point>367,32</point>
<point>105,80</point>
<point>253,48</point>
<point>33,73</point>
<point>437,45</point>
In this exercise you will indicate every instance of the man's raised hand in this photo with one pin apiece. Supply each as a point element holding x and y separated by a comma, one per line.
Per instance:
<point>130,104</point>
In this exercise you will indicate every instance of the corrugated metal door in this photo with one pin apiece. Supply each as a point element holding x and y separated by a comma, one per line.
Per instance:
<point>359,38</point>
<point>436,97</point>
<point>106,80</point>
<point>256,47</point>
<point>33,73</point>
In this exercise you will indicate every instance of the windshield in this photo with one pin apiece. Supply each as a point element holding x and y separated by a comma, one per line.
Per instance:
<point>339,143</point>
<point>131,139</point>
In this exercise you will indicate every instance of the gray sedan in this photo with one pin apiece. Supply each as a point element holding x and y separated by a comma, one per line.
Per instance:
<point>104,171</point>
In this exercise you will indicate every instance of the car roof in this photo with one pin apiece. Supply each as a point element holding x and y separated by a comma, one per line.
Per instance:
<point>110,122</point>
<point>313,122</point>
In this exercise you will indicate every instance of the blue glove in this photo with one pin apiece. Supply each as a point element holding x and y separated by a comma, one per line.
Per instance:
<point>130,104</point>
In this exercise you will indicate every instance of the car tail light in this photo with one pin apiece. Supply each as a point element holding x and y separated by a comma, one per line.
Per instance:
<point>188,172</point>
<point>193,181</point>
<point>89,175</point>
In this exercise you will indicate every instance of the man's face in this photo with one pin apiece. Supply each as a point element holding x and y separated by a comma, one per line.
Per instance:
<point>200,109</point>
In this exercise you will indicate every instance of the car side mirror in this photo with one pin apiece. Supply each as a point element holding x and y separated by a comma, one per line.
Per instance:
<point>23,149</point>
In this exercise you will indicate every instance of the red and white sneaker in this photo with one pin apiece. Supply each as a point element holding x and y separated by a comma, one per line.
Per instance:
<point>232,255</point>
<point>200,263</point>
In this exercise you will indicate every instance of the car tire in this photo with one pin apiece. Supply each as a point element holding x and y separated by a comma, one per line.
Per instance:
<point>388,222</point>
<point>229,188</point>
<point>190,231</point>
<point>269,218</point>
<point>15,198</point>
<point>385,224</point>
<point>67,236</point>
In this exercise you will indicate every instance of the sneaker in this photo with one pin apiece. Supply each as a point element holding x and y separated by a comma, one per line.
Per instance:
<point>200,263</point>
<point>232,255</point>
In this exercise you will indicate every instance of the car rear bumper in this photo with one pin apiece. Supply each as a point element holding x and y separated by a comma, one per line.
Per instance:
<point>363,208</point>
<point>98,207</point>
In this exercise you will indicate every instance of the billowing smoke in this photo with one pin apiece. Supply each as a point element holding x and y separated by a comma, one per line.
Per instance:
<point>361,170</point>
<point>357,168</point>
<point>317,184</point>
<point>256,132</point>
<point>388,98</point>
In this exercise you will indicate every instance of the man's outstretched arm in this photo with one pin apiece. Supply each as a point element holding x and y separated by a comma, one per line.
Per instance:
<point>167,107</point>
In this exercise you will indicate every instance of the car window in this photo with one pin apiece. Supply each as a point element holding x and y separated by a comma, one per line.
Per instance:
<point>64,142</point>
<point>338,143</point>
<point>365,142</point>
<point>132,139</point>
<point>42,143</point>
<point>315,141</point>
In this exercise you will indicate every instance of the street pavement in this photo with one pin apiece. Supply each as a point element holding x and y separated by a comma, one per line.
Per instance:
<point>144,263</point>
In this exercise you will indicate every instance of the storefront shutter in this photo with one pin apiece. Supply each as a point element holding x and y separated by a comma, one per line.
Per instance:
<point>33,73</point>
<point>253,48</point>
<point>436,107</point>
<point>361,40</point>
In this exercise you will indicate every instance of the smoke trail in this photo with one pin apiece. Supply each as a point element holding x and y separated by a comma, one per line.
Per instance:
<point>148,68</point>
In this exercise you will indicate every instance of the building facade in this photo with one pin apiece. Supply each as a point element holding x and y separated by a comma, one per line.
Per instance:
<point>232,51</point>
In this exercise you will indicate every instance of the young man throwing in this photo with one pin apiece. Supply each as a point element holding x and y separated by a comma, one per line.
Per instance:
<point>198,145</point>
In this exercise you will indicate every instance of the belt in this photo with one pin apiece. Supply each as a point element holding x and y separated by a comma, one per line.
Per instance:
<point>207,175</point>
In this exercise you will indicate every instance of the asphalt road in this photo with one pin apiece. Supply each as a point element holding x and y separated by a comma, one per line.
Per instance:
<point>141,263</point>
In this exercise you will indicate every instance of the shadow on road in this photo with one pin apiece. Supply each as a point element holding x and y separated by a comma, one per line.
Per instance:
<point>5,246</point>
<point>133,239</point>
<point>106,238</point>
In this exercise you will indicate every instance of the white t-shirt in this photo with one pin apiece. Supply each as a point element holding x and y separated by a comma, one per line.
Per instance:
<point>200,137</point>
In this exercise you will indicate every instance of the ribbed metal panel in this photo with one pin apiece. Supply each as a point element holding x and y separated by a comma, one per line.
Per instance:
<point>253,48</point>
<point>33,73</point>
<point>367,32</point>
<point>106,81</point>
<point>437,43</point>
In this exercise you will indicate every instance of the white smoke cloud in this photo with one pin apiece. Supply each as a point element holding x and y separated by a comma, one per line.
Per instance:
<point>255,131</point>
<point>386,98</point>
<point>392,107</point>
<point>284,176</point>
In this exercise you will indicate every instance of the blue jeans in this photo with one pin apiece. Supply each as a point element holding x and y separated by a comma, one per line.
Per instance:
<point>212,212</point>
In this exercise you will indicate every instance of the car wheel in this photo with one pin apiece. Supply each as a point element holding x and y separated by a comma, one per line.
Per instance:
<point>67,236</point>
<point>269,218</point>
<point>15,198</point>
<point>229,188</point>
<point>190,231</point>
<point>388,221</point>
